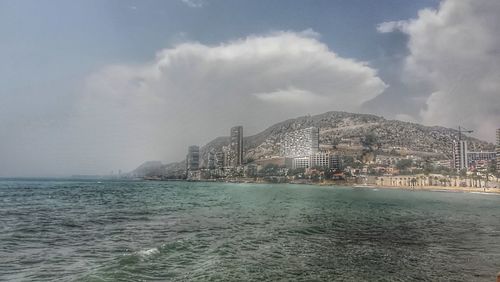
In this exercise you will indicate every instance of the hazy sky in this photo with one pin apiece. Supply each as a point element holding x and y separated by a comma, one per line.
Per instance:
<point>89,87</point>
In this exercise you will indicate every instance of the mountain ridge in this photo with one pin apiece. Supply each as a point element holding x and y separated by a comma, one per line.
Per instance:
<point>341,131</point>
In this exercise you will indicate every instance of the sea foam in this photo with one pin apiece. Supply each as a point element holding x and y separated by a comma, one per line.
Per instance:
<point>148,252</point>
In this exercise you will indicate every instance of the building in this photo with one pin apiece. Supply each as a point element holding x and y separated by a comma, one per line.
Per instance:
<point>324,160</point>
<point>220,159</point>
<point>442,163</point>
<point>318,159</point>
<point>335,162</point>
<point>474,157</point>
<point>236,146</point>
<point>211,159</point>
<point>301,143</point>
<point>193,158</point>
<point>279,161</point>
<point>387,160</point>
<point>498,150</point>
<point>460,154</point>
<point>301,162</point>
<point>226,156</point>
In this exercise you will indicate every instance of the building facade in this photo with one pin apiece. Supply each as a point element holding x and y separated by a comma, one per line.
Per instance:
<point>460,154</point>
<point>211,159</point>
<point>193,158</point>
<point>480,156</point>
<point>301,162</point>
<point>220,159</point>
<point>236,146</point>
<point>301,143</point>
<point>498,150</point>
<point>318,159</point>
<point>335,162</point>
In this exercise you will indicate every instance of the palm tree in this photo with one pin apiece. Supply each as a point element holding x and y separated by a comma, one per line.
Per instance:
<point>413,182</point>
<point>474,179</point>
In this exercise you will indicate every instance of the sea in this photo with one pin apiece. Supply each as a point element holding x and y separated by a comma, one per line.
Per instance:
<point>69,230</point>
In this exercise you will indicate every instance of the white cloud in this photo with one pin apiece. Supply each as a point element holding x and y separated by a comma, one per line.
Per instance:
<point>194,3</point>
<point>193,92</point>
<point>290,96</point>
<point>387,27</point>
<point>455,50</point>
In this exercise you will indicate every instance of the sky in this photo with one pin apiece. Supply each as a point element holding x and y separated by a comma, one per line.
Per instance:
<point>93,87</point>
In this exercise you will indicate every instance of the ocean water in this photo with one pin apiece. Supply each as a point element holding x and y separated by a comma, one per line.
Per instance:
<point>180,231</point>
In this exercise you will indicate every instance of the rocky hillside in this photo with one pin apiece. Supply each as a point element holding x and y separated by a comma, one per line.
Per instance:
<point>342,128</point>
<point>343,131</point>
<point>156,168</point>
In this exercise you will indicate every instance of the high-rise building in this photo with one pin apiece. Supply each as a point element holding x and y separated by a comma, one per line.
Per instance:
<point>300,143</point>
<point>460,160</point>
<point>221,157</point>
<point>193,158</point>
<point>236,146</point>
<point>211,159</point>
<point>498,150</point>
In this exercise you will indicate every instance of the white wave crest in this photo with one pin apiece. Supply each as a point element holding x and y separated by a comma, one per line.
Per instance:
<point>148,252</point>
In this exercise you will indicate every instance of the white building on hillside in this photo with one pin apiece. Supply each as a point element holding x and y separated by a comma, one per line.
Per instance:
<point>301,143</point>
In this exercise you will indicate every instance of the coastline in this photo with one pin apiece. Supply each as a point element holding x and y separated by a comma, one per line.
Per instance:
<point>433,188</point>
<point>437,188</point>
<point>472,190</point>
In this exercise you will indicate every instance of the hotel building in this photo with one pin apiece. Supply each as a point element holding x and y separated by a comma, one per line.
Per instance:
<point>211,159</point>
<point>193,158</point>
<point>498,150</point>
<point>319,159</point>
<point>236,146</point>
<point>460,154</point>
<point>480,156</point>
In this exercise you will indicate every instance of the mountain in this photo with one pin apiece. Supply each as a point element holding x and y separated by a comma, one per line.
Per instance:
<point>149,168</point>
<point>342,131</point>
<point>157,168</point>
<point>338,128</point>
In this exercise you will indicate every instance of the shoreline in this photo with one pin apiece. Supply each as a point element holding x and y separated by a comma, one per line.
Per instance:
<point>439,188</point>
<point>447,189</point>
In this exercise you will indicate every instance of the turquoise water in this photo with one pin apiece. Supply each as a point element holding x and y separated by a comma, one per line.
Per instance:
<point>131,231</point>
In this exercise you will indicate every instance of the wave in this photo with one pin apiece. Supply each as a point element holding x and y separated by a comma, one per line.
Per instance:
<point>148,252</point>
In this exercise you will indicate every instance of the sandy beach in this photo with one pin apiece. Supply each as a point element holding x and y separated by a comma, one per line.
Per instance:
<point>444,189</point>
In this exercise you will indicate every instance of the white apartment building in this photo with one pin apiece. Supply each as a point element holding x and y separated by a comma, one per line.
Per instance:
<point>460,154</point>
<point>319,159</point>
<point>301,143</point>
<point>498,150</point>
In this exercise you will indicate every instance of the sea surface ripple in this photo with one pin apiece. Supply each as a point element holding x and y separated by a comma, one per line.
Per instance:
<point>182,231</point>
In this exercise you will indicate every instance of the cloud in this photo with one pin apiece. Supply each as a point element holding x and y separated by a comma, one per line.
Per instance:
<point>290,96</point>
<point>455,52</point>
<point>192,92</point>
<point>387,27</point>
<point>194,3</point>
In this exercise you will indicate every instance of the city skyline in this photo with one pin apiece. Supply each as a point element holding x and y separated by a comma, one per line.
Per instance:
<point>302,149</point>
